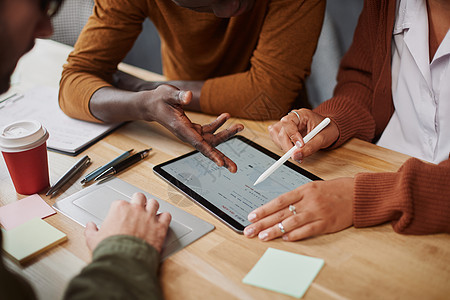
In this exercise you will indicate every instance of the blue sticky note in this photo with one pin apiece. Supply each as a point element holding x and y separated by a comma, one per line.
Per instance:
<point>284,272</point>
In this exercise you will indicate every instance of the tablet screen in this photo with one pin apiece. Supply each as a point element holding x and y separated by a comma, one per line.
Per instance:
<point>231,197</point>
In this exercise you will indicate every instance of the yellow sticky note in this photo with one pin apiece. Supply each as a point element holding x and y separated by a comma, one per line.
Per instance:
<point>30,239</point>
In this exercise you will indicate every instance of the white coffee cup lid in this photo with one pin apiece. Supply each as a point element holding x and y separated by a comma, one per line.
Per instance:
<point>22,135</point>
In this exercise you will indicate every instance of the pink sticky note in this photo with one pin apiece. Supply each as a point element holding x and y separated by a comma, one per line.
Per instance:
<point>21,211</point>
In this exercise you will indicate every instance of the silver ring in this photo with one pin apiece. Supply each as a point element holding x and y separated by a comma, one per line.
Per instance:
<point>292,209</point>
<point>281,227</point>
<point>298,116</point>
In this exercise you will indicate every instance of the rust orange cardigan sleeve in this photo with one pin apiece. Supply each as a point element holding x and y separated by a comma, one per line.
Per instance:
<point>416,197</point>
<point>353,99</point>
<point>278,67</point>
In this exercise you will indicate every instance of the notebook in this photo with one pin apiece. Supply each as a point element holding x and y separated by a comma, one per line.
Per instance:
<point>67,135</point>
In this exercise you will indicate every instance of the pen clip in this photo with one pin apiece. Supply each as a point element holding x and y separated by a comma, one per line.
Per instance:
<point>86,163</point>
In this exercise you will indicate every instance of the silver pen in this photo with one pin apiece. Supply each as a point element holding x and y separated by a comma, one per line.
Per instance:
<point>77,167</point>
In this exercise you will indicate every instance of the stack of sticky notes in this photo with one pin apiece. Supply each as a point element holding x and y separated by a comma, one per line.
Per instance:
<point>284,272</point>
<point>31,238</point>
<point>26,234</point>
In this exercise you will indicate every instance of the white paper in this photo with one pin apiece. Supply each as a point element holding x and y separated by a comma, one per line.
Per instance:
<point>41,104</point>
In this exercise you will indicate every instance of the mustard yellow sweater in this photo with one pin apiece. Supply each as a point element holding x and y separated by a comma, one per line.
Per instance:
<point>254,64</point>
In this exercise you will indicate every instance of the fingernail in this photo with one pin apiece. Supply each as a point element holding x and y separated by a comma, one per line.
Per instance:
<point>251,217</point>
<point>298,144</point>
<point>182,95</point>
<point>285,238</point>
<point>298,157</point>
<point>263,235</point>
<point>269,127</point>
<point>249,231</point>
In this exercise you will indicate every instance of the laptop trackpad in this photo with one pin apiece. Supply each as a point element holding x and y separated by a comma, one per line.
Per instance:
<point>98,202</point>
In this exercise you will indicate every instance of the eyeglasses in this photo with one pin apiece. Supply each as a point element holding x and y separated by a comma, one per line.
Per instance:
<point>50,7</point>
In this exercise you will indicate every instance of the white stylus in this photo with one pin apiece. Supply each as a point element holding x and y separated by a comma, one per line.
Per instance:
<point>288,154</point>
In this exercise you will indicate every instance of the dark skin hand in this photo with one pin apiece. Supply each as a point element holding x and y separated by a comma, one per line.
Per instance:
<point>165,106</point>
<point>128,82</point>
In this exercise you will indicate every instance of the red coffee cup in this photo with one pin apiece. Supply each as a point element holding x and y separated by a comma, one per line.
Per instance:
<point>23,145</point>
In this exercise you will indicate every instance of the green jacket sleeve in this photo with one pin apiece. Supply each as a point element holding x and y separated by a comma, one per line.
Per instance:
<point>122,267</point>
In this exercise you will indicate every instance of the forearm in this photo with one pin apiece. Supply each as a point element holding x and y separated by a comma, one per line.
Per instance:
<point>122,267</point>
<point>104,42</point>
<point>352,119</point>
<point>351,107</point>
<point>88,97</point>
<point>130,83</point>
<point>414,199</point>
<point>111,105</point>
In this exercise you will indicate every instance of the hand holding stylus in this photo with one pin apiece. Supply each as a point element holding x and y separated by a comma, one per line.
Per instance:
<point>291,128</point>
<point>288,154</point>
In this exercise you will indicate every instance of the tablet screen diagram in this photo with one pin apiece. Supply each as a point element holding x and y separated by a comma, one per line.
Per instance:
<point>234,194</point>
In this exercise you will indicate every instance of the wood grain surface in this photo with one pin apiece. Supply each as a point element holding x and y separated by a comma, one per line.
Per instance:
<point>370,263</point>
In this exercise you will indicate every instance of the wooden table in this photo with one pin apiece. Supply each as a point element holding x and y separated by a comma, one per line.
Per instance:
<point>370,263</point>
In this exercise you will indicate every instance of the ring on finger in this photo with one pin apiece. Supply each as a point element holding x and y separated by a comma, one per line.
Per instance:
<point>280,225</point>
<point>296,113</point>
<point>292,209</point>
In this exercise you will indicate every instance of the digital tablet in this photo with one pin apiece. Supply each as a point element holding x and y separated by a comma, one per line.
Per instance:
<point>231,197</point>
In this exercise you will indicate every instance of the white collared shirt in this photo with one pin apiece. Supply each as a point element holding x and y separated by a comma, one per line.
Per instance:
<point>420,125</point>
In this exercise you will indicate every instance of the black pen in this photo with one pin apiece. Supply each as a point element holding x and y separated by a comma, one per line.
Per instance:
<point>77,167</point>
<point>124,164</point>
<point>100,170</point>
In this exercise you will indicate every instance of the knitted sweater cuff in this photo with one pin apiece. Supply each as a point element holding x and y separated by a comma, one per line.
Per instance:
<point>374,199</point>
